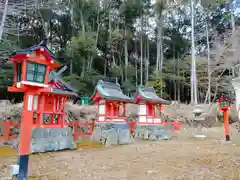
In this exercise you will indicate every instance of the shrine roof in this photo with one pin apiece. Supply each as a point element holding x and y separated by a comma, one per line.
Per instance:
<point>149,94</point>
<point>110,91</point>
<point>34,48</point>
<point>59,86</point>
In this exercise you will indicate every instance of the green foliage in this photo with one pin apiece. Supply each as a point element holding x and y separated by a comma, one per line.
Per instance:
<point>206,3</point>
<point>81,46</point>
<point>116,71</point>
<point>130,10</point>
<point>227,15</point>
<point>128,86</point>
<point>75,81</point>
<point>157,82</point>
<point>7,47</point>
<point>160,5</point>
<point>85,85</point>
<point>90,35</point>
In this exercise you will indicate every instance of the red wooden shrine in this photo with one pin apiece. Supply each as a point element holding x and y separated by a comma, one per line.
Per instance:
<point>43,105</point>
<point>149,104</point>
<point>111,102</point>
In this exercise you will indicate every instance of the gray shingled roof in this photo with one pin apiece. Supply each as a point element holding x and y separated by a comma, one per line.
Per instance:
<point>68,89</point>
<point>111,91</point>
<point>33,48</point>
<point>149,94</point>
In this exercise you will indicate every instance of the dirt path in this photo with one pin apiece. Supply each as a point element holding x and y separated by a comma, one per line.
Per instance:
<point>182,159</point>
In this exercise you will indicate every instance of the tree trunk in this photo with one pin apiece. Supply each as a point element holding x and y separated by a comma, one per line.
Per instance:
<point>45,25</point>
<point>126,52</point>
<point>178,74</point>
<point>145,50</point>
<point>105,67</point>
<point>209,65</point>
<point>110,35</point>
<point>96,40</point>
<point>71,67</point>
<point>174,82</point>
<point>3,18</point>
<point>141,51</point>
<point>83,69</point>
<point>161,50</point>
<point>158,43</point>
<point>147,61</point>
<point>232,17</point>
<point>136,63</point>
<point>193,66</point>
<point>161,45</point>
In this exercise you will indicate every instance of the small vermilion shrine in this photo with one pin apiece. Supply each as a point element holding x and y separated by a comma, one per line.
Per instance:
<point>33,69</point>
<point>111,102</point>
<point>149,104</point>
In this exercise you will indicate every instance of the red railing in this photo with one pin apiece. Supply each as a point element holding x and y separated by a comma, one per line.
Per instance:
<point>132,126</point>
<point>175,125</point>
<point>89,127</point>
<point>76,124</point>
<point>9,124</point>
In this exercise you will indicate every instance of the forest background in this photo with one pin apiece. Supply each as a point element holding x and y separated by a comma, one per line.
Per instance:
<point>186,49</point>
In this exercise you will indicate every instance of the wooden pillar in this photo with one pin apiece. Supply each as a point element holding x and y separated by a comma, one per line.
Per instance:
<point>124,109</point>
<point>41,102</point>
<point>111,109</point>
<point>92,125</point>
<point>160,108</point>
<point>7,128</point>
<point>153,111</point>
<point>24,70</point>
<point>25,135</point>
<point>52,115</point>
<point>62,109</point>
<point>75,130</point>
<point>23,167</point>
<point>15,73</point>
<point>46,76</point>
<point>226,123</point>
<point>57,108</point>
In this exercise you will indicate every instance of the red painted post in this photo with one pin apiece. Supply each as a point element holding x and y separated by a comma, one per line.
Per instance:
<point>224,105</point>
<point>92,125</point>
<point>7,129</point>
<point>173,126</point>
<point>226,123</point>
<point>178,125</point>
<point>131,127</point>
<point>75,130</point>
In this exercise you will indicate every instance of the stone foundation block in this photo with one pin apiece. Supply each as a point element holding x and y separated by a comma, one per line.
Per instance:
<point>152,132</point>
<point>112,133</point>
<point>47,139</point>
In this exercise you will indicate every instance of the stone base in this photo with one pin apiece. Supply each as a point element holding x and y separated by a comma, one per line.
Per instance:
<point>112,133</point>
<point>50,139</point>
<point>152,132</point>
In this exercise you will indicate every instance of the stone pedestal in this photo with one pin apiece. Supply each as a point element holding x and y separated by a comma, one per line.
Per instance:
<point>152,132</point>
<point>199,118</point>
<point>50,139</point>
<point>112,133</point>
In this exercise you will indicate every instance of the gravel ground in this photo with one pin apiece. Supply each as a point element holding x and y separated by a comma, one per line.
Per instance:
<point>182,158</point>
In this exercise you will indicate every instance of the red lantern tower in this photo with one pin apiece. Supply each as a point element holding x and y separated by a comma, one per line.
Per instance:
<point>32,67</point>
<point>224,106</point>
